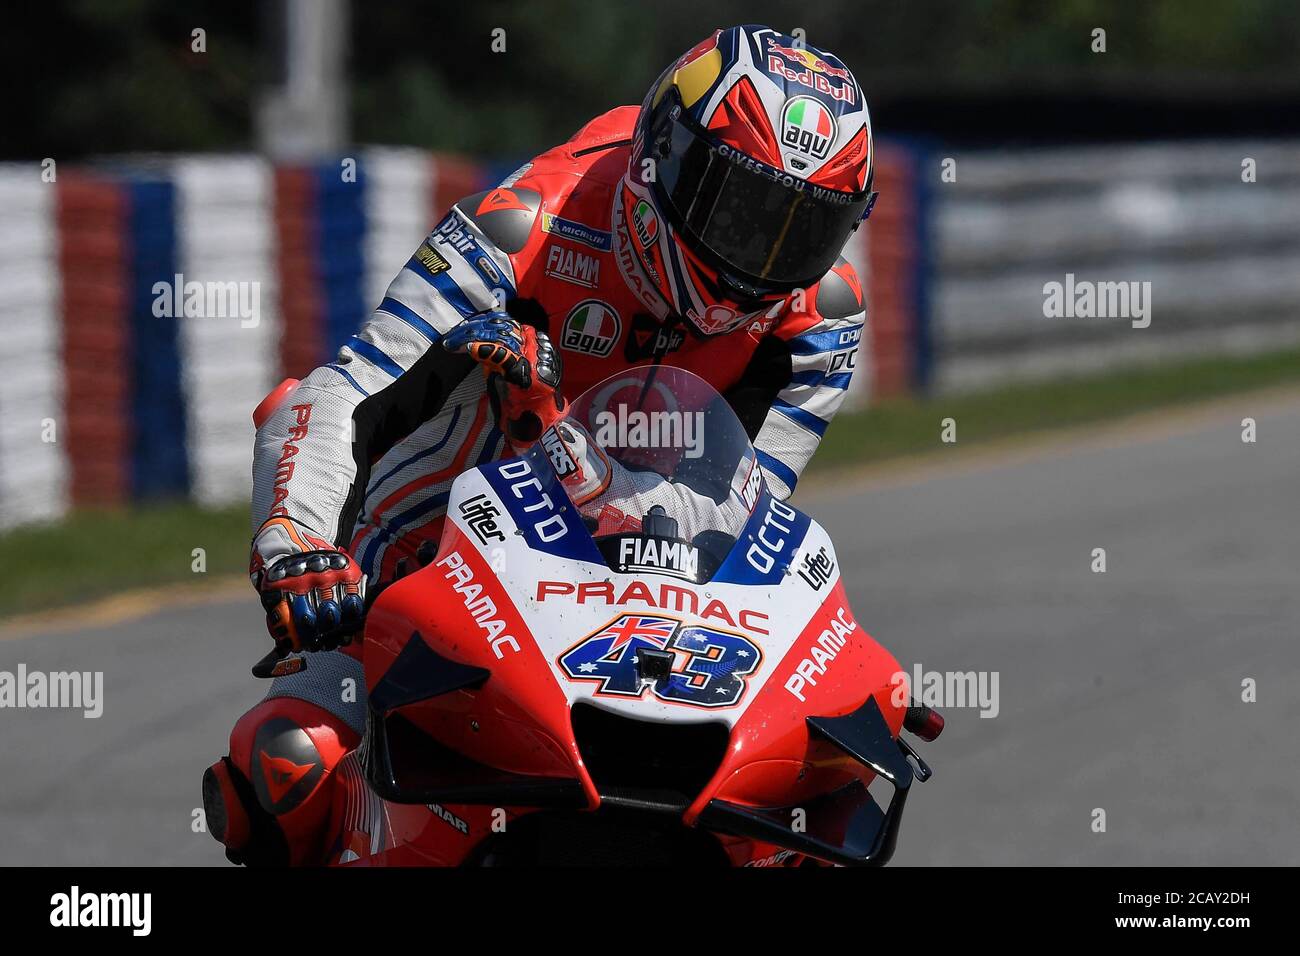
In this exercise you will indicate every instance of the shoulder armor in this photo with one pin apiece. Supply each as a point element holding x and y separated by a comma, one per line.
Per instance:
<point>614,128</point>
<point>505,214</point>
<point>839,293</point>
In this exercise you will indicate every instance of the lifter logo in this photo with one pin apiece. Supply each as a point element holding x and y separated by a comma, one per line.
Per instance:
<point>481,516</point>
<point>817,569</point>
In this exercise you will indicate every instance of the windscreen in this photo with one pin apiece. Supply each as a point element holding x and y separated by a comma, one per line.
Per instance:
<point>671,476</point>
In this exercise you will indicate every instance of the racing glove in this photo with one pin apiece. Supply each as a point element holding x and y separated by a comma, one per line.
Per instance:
<point>314,595</point>
<point>523,370</point>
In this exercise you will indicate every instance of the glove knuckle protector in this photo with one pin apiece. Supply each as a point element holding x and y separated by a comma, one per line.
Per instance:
<point>314,600</point>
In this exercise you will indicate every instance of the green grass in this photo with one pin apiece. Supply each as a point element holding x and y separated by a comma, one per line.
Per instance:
<point>908,426</point>
<point>98,553</point>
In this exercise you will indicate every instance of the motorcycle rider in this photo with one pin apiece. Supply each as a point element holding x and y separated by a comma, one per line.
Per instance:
<point>702,230</point>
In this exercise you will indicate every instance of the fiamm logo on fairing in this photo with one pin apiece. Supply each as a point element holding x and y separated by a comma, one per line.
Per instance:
<point>663,556</point>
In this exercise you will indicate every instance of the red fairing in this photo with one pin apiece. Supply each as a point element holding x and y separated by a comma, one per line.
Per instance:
<point>519,719</point>
<point>828,672</point>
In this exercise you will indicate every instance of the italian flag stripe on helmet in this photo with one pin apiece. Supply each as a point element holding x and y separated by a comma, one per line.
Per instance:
<point>805,113</point>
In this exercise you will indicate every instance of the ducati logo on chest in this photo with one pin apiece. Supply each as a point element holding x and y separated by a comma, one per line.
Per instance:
<point>592,328</point>
<point>570,265</point>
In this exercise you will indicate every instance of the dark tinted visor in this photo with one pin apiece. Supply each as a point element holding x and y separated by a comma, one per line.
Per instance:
<point>766,226</point>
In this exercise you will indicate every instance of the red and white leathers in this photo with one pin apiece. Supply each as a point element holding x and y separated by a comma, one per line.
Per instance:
<point>362,453</point>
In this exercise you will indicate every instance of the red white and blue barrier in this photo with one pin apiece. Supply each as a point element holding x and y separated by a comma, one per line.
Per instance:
<point>105,402</point>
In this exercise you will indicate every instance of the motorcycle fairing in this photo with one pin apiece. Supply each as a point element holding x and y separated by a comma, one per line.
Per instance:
<point>546,586</point>
<point>564,599</point>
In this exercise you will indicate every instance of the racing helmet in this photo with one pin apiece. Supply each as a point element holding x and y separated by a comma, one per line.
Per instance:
<point>751,166</point>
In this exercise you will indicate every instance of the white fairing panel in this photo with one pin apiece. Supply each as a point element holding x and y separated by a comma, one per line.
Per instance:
<point>727,637</point>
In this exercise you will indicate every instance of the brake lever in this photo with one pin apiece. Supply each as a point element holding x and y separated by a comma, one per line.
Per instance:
<point>278,663</point>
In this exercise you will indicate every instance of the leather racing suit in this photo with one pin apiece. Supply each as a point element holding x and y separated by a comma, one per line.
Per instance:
<point>362,455</point>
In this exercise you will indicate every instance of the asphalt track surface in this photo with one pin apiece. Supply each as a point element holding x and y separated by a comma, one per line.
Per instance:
<point>1119,691</point>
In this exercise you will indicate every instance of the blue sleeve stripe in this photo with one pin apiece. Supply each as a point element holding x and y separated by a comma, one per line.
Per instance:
<point>373,355</point>
<point>492,446</point>
<point>351,381</point>
<point>777,469</point>
<point>818,378</point>
<point>826,341</point>
<point>392,529</point>
<point>796,414</point>
<point>410,317</point>
<point>446,287</point>
<point>431,450</point>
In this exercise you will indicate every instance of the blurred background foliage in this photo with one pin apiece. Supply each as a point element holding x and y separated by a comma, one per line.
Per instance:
<point>97,76</point>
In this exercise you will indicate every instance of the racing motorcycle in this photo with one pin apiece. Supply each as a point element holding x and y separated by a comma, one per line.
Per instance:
<point>625,650</point>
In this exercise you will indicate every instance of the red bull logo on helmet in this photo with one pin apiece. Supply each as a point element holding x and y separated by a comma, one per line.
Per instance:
<point>810,70</point>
